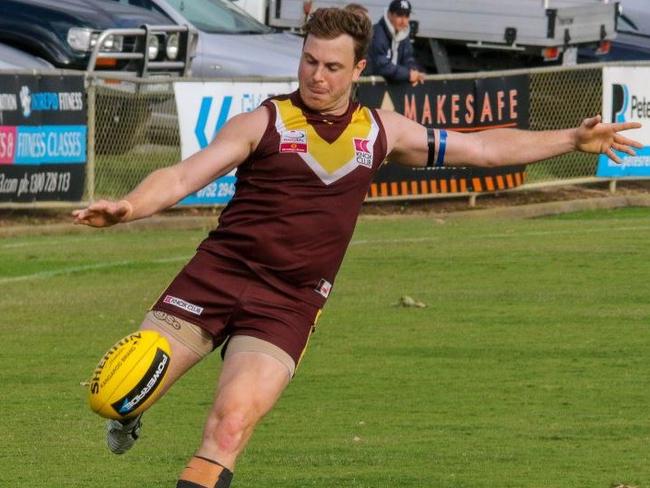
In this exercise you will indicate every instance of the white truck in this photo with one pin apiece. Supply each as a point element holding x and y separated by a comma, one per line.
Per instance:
<point>465,35</point>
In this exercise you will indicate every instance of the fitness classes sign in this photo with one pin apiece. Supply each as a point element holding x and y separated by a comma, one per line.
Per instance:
<point>42,138</point>
<point>465,105</point>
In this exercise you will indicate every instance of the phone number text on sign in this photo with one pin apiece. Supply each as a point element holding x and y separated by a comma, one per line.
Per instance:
<point>219,191</point>
<point>36,183</point>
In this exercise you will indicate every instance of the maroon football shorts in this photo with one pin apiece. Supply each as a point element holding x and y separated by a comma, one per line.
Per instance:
<point>225,298</point>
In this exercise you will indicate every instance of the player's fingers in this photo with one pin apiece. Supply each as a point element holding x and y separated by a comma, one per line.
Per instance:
<point>626,126</point>
<point>83,219</point>
<point>90,217</point>
<point>612,155</point>
<point>624,140</point>
<point>623,148</point>
<point>80,214</point>
<point>99,206</point>
<point>592,121</point>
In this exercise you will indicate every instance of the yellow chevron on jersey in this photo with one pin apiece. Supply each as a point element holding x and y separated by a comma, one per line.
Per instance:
<point>329,161</point>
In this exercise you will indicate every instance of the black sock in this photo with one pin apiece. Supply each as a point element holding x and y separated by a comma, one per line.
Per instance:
<point>204,473</point>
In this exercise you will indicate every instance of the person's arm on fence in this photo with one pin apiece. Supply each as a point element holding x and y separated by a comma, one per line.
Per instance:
<point>407,143</point>
<point>165,187</point>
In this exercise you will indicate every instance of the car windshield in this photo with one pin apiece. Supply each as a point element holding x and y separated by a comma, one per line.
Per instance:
<point>218,16</point>
<point>213,16</point>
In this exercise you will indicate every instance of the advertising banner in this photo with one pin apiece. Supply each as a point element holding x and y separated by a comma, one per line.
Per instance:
<point>461,105</point>
<point>43,133</point>
<point>203,109</point>
<point>626,98</point>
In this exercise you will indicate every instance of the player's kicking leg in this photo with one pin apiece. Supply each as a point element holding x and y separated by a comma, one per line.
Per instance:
<point>249,385</point>
<point>189,344</point>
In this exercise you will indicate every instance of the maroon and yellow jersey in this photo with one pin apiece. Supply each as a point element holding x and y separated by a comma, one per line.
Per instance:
<point>298,196</point>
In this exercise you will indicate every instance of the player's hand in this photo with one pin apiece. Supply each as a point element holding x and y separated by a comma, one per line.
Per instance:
<point>103,213</point>
<point>595,137</point>
<point>416,77</point>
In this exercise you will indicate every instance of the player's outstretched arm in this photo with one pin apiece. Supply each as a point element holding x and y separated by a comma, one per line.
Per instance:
<point>164,187</point>
<point>407,143</point>
<point>505,147</point>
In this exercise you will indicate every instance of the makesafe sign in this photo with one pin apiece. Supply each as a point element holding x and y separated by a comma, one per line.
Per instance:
<point>464,105</point>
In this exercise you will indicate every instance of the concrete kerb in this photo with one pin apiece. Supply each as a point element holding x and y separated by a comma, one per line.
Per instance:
<point>158,222</point>
<point>554,208</point>
<point>208,222</point>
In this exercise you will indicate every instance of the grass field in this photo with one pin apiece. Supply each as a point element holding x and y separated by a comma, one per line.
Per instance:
<point>528,369</point>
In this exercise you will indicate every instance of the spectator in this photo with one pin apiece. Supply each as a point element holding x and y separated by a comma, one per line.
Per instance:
<point>391,54</point>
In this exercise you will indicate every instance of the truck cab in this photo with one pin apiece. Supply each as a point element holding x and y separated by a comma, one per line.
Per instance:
<point>471,35</point>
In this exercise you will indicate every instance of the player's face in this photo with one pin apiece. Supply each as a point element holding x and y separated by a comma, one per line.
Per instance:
<point>327,70</point>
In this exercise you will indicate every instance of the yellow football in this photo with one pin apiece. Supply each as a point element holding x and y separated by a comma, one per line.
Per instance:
<point>125,382</point>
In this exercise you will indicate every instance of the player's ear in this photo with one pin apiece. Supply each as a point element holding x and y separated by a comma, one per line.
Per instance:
<point>358,69</point>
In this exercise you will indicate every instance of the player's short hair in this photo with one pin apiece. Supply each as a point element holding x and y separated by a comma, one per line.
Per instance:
<point>357,8</point>
<point>330,23</point>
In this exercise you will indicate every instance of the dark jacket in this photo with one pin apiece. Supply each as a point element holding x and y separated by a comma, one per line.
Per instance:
<point>380,54</point>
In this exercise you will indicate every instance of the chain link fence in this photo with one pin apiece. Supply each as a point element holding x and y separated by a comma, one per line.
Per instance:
<point>558,99</point>
<point>135,127</point>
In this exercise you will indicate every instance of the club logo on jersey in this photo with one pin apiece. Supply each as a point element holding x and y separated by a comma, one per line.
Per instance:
<point>324,287</point>
<point>293,141</point>
<point>180,303</point>
<point>362,152</point>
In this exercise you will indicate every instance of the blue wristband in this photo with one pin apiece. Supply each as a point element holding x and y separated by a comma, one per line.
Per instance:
<point>442,146</point>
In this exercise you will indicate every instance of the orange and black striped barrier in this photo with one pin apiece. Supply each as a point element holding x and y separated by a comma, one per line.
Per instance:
<point>397,182</point>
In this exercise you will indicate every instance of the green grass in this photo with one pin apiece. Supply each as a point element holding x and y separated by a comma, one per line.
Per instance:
<point>528,369</point>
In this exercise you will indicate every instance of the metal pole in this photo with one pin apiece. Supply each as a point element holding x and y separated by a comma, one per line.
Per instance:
<point>612,186</point>
<point>90,156</point>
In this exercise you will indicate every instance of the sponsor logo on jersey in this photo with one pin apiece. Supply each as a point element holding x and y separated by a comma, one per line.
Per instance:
<point>324,287</point>
<point>362,152</point>
<point>180,303</point>
<point>293,141</point>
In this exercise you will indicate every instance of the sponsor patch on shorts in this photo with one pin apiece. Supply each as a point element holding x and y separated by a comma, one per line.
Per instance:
<point>324,287</point>
<point>180,303</point>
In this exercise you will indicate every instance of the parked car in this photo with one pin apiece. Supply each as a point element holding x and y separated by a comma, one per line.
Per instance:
<point>107,36</point>
<point>65,32</point>
<point>12,58</point>
<point>231,43</point>
<point>632,42</point>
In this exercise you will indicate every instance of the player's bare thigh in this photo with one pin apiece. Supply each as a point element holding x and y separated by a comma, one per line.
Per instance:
<point>189,343</point>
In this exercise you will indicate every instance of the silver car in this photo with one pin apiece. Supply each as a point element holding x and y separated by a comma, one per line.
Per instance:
<point>231,42</point>
<point>11,58</point>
